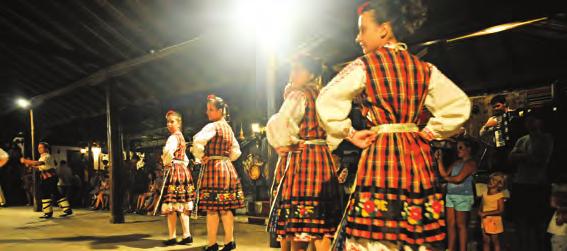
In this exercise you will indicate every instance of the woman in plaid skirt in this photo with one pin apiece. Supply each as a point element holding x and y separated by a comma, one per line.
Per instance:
<point>220,191</point>
<point>179,191</point>
<point>397,204</point>
<point>309,207</point>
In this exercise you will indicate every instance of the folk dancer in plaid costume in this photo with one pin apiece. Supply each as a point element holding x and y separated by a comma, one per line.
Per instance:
<point>48,182</point>
<point>309,207</point>
<point>220,192</point>
<point>179,191</point>
<point>397,204</point>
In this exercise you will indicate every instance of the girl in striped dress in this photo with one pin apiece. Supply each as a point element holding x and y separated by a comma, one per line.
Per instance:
<point>397,204</point>
<point>220,191</point>
<point>309,206</point>
<point>179,191</point>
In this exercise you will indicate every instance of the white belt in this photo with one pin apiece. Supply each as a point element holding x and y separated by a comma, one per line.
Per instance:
<point>177,161</point>
<point>317,142</point>
<point>219,158</point>
<point>395,128</point>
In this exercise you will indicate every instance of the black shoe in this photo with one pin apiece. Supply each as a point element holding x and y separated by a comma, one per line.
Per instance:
<point>46,216</point>
<point>229,246</point>
<point>212,248</point>
<point>186,241</point>
<point>170,242</point>
<point>66,213</point>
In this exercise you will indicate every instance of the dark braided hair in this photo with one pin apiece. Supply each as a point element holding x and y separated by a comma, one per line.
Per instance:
<point>314,65</point>
<point>405,16</point>
<point>219,103</point>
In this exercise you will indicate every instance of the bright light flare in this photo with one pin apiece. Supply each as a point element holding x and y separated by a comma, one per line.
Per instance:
<point>269,20</point>
<point>256,128</point>
<point>23,103</point>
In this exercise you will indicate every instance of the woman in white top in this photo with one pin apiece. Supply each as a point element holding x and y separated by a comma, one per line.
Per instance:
<point>397,203</point>
<point>179,190</point>
<point>220,190</point>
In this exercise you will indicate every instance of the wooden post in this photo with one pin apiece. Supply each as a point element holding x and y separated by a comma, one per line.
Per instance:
<point>114,145</point>
<point>35,173</point>
<point>271,78</point>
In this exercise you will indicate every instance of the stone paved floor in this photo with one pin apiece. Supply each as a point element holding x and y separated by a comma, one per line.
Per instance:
<point>20,229</point>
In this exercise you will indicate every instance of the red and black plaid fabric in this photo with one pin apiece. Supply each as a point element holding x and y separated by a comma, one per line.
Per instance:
<point>46,174</point>
<point>310,193</point>
<point>220,188</point>
<point>179,186</point>
<point>397,196</point>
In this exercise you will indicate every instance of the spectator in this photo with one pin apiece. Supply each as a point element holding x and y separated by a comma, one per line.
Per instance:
<point>460,193</point>
<point>531,154</point>
<point>492,208</point>
<point>558,225</point>
<point>102,195</point>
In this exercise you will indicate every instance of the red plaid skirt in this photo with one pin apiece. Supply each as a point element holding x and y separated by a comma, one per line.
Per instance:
<point>397,198</point>
<point>309,195</point>
<point>179,191</point>
<point>220,188</point>
<point>46,174</point>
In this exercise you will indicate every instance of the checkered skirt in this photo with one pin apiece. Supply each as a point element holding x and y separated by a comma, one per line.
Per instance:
<point>397,199</point>
<point>309,207</point>
<point>220,188</point>
<point>179,191</point>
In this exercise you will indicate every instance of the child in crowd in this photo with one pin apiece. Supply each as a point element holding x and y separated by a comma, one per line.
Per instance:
<point>557,226</point>
<point>491,211</point>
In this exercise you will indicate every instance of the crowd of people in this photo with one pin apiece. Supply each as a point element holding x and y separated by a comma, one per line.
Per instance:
<point>394,197</point>
<point>83,187</point>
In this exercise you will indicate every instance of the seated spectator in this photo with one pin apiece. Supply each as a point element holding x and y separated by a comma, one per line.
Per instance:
<point>102,195</point>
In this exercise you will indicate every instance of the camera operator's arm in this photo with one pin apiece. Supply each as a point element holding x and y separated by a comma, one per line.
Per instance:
<point>468,170</point>
<point>442,170</point>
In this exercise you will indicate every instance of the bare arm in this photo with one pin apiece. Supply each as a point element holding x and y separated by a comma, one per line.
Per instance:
<point>468,170</point>
<point>496,212</point>
<point>32,163</point>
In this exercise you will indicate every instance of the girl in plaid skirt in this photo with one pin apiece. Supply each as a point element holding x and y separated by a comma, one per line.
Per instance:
<point>220,191</point>
<point>309,206</point>
<point>397,204</point>
<point>179,191</point>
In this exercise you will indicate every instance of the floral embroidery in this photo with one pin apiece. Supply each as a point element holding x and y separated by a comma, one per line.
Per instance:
<point>304,211</point>
<point>413,214</point>
<point>226,196</point>
<point>368,207</point>
<point>434,209</point>
<point>171,188</point>
<point>204,195</point>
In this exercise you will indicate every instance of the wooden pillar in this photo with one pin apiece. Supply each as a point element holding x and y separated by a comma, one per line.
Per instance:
<point>271,78</point>
<point>114,145</point>
<point>35,173</point>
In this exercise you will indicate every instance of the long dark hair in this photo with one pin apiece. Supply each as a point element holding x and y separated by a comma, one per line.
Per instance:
<point>314,65</point>
<point>220,104</point>
<point>406,16</point>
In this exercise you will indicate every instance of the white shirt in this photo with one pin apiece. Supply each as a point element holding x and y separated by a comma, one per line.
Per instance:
<point>448,104</point>
<point>539,148</point>
<point>48,161</point>
<point>169,149</point>
<point>201,139</point>
<point>283,127</point>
